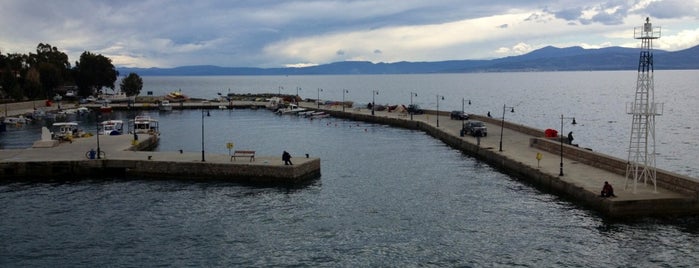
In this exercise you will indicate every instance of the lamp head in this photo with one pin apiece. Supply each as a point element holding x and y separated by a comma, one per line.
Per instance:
<point>513,110</point>
<point>574,123</point>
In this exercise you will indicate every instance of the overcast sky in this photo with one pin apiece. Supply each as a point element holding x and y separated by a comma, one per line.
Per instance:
<point>269,33</point>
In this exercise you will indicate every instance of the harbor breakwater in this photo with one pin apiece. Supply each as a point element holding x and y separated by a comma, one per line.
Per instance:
<point>684,203</point>
<point>125,158</point>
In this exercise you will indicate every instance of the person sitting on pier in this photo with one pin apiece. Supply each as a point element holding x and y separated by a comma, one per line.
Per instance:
<point>607,190</point>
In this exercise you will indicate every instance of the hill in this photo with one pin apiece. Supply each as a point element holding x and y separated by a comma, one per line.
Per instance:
<point>545,59</point>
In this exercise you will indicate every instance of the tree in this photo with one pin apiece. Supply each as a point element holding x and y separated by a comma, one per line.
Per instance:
<point>93,72</point>
<point>32,85</point>
<point>10,84</point>
<point>131,85</point>
<point>50,77</point>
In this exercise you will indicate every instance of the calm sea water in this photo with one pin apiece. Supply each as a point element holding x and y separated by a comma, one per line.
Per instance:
<point>596,99</point>
<point>387,197</point>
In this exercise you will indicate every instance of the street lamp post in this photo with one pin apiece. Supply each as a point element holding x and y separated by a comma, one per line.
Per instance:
<point>97,119</point>
<point>438,96</point>
<point>561,135</point>
<point>280,90</point>
<point>411,104</point>
<point>318,100</point>
<point>373,102</point>
<point>297,90</point>
<point>502,124</point>
<point>463,115</point>
<point>202,133</point>
<point>343,99</point>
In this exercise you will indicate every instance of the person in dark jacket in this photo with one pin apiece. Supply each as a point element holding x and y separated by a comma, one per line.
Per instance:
<point>287,158</point>
<point>570,138</point>
<point>607,190</point>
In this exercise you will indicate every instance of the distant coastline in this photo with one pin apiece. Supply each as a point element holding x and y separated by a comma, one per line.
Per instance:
<point>541,60</point>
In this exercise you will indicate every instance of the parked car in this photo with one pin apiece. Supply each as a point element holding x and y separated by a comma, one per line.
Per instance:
<point>475,128</point>
<point>459,115</point>
<point>415,109</point>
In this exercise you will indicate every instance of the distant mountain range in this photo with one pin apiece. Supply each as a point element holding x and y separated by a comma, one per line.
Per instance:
<point>544,59</point>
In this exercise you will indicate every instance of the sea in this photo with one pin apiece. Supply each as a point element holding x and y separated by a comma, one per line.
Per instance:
<point>387,197</point>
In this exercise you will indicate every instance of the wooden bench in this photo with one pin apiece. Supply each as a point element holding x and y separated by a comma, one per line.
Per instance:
<point>250,154</point>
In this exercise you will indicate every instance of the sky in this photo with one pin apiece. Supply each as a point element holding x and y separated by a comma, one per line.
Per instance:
<point>296,33</point>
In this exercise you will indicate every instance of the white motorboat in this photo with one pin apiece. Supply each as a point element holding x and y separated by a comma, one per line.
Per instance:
<point>291,109</point>
<point>275,103</point>
<point>116,97</point>
<point>66,131</point>
<point>318,115</point>
<point>144,124</point>
<point>19,120</point>
<point>165,105</point>
<point>112,127</point>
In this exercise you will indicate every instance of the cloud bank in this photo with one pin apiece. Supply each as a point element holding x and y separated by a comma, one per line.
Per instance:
<point>159,33</point>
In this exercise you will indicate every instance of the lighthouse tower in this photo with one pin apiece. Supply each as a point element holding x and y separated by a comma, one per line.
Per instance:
<point>640,167</point>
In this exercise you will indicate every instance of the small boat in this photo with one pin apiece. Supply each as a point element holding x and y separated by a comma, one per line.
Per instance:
<point>318,115</point>
<point>176,96</point>
<point>292,109</point>
<point>19,120</point>
<point>165,105</point>
<point>106,108</point>
<point>112,127</point>
<point>116,97</point>
<point>275,103</point>
<point>144,124</point>
<point>66,131</point>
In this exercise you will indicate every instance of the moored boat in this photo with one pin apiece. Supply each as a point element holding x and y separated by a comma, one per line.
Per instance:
<point>66,131</point>
<point>176,96</point>
<point>144,124</point>
<point>165,105</point>
<point>112,127</point>
<point>291,109</point>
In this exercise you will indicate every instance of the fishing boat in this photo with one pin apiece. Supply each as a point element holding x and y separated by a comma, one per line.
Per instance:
<point>112,127</point>
<point>144,124</point>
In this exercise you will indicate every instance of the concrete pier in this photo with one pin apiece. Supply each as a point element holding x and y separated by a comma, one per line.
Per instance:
<point>69,161</point>
<point>584,171</point>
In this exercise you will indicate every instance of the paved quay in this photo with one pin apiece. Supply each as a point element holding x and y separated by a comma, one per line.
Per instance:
<point>69,161</point>
<point>581,182</point>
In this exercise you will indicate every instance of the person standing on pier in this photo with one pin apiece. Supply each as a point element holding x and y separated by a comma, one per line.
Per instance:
<point>287,158</point>
<point>570,138</point>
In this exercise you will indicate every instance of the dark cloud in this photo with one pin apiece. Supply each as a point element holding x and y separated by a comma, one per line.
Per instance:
<point>669,9</point>
<point>237,33</point>
<point>569,14</point>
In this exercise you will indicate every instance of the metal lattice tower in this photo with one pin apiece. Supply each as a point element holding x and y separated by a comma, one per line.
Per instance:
<point>641,162</point>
